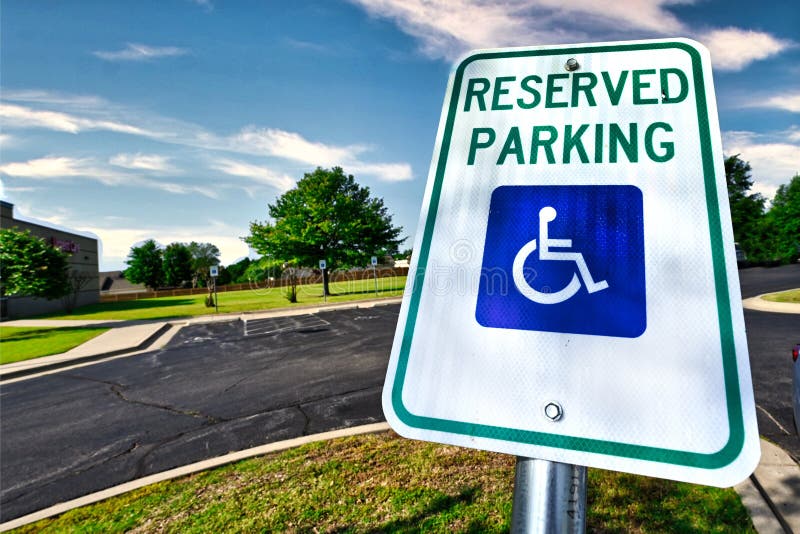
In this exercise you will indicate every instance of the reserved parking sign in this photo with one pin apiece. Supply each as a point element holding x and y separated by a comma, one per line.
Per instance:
<point>575,256</point>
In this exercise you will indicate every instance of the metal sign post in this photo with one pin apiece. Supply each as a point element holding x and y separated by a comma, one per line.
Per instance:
<point>323,265</point>
<point>214,271</point>
<point>375,273</point>
<point>549,497</point>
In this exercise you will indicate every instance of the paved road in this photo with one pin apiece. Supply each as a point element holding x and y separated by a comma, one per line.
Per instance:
<point>769,338</point>
<point>216,389</point>
<point>211,391</point>
<point>759,280</point>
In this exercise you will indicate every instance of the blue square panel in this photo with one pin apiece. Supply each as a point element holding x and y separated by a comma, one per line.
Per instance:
<point>564,259</point>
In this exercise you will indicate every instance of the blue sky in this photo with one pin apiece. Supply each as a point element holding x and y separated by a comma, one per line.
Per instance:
<point>181,120</point>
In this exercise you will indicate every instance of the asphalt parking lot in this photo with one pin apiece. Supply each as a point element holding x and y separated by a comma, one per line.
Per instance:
<point>228,386</point>
<point>215,388</point>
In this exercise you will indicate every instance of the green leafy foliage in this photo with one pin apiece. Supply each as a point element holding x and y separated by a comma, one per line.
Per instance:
<point>177,264</point>
<point>771,236</point>
<point>784,221</point>
<point>235,272</point>
<point>145,265</point>
<point>327,216</point>
<point>204,255</point>
<point>31,267</point>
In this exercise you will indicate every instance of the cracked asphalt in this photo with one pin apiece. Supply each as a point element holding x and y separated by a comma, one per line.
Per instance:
<point>211,391</point>
<point>215,390</point>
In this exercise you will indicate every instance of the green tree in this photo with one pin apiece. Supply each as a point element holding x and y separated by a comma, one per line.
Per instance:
<point>784,221</point>
<point>235,272</point>
<point>204,255</point>
<point>262,271</point>
<point>747,209</point>
<point>326,216</point>
<point>145,265</point>
<point>177,264</point>
<point>31,267</point>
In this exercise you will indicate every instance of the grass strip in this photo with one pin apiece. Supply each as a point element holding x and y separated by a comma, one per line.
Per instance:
<point>792,296</point>
<point>24,343</point>
<point>383,483</point>
<point>237,301</point>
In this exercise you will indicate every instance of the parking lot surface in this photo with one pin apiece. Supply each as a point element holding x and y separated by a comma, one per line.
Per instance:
<point>215,388</point>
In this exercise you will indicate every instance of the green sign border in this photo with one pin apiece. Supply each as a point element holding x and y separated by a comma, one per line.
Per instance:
<point>715,460</point>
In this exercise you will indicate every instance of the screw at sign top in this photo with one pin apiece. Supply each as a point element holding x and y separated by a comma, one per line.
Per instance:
<point>572,64</point>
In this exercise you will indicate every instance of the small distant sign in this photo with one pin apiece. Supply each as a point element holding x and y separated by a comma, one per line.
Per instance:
<point>214,271</point>
<point>374,261</point>
<point>322,264</point>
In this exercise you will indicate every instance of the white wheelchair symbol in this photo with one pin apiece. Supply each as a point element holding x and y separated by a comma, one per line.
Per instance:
<point>546,215</point>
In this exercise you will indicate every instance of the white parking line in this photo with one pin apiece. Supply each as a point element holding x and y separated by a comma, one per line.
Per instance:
<point>282,324</point>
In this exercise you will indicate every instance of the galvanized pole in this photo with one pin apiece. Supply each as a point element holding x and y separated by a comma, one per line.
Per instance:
<point>375,275</point>
<point>549,497</point>
<point>216,298</point>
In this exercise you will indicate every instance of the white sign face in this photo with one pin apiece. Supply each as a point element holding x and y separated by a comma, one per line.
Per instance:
<point>374,260</point>
<point>214,271</point>
<point>322,264</point>
<point>574,294</point>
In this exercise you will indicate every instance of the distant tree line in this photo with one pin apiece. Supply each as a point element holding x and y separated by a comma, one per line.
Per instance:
<point>768,235</point>
<point>328,216</point>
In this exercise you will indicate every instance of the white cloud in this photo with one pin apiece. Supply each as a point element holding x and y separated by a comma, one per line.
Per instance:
<point>773,160</point>
<point>141,52</point>
<point>388,172</point>
<point>24,117</point>
<point>52,167</point>
<point>734,48</point>
<point>77,114</point>
<point>293,146</point>
<point>6,140</point>
<point>51,97</point>
<point>262,175</point>
<point>449,28</point>
<point>787,102</point>
<point>146,162</point>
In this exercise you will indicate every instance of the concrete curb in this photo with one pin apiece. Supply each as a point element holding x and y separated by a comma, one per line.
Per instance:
<point>758,303</point>
<point>14,372</point>
<point>188,470</point>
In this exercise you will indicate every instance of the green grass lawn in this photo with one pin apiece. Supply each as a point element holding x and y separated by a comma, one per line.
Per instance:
<point>237,301</point>
<point>792,296</point>
<point>382,483</point>
<point>23,343</point>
